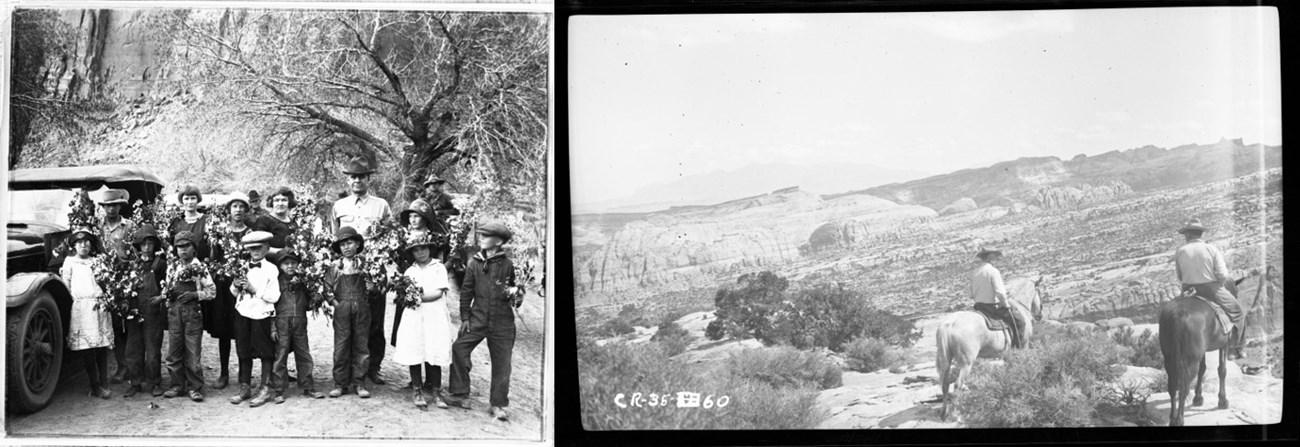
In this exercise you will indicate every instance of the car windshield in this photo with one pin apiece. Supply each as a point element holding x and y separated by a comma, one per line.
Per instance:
<point>42,205</point>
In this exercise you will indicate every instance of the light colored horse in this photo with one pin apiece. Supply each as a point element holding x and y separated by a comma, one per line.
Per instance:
<point>963,336</point>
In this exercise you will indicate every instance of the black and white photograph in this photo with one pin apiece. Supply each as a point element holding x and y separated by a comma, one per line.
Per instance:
<point>294,221</point>
<point>927,220</point>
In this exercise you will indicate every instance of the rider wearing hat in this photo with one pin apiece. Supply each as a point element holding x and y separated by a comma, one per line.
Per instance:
<point>1201,267</point>
<point>990,293</point>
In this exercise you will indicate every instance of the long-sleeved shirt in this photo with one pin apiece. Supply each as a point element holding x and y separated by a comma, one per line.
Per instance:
<point>118,238</point>
<point>360,213</point>
<point>483,299</point>
<point>264,290</point>
<point>293,299</point>
<point>1197,262</point>
<point>203,282</point>
<point>986,284</point>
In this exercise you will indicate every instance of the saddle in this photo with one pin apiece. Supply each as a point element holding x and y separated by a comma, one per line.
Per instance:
<point>1224,322</point>
<point>994,322</point>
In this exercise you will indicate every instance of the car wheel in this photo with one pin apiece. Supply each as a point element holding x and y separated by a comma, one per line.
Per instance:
<point>34,354</point>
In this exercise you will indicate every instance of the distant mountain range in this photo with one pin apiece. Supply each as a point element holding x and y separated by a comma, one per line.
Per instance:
<point>747,181</point>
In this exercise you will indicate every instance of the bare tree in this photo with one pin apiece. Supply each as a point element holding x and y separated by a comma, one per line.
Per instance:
<point>412,90</point>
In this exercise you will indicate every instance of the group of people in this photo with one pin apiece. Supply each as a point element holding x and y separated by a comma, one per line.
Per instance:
<point>1200,267</point>
<point>264,308</point>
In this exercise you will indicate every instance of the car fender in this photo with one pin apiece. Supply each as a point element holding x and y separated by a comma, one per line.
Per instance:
<point>23,287</point>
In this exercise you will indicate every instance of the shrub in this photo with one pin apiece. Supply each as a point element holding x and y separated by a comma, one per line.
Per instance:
<point>786,367</point>
<point>867,354</point>
<point>615,327</point>
<point>1058,382</point>
<point>829,315</point>
<point>673,338</point>
<point>622,368</point>
<point>746,311</point>
<point>1145,346</point>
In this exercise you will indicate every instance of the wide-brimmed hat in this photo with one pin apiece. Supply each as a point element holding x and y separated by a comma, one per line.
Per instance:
<point>283,191</point>
<point>282,255</point>
<point>1193,224</point>
<point>423,239</point>
<point>185,237</point>
<point>86,234</point>
<point>256,238</point>
<point>114,196</point>
<point>145,232</point>
<point>358,166</point>
<point>988,250</point>
<point>420,207</point>
<point>496,229</point>
<point>433,178</point>
<point>188,190</point>
<point>238,197</point>
<point>344,234</point>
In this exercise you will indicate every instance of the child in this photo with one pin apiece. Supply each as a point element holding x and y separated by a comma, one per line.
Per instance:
<point>425,335</point>
<point>257,292</point>
<point>190,283</point>
<point>291,327</point>
<point>89,330</point>
<point>487,302</point>
<point>144,335</point>
<point>349,290</point>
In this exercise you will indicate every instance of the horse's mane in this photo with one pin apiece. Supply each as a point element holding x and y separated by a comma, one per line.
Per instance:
<point>1021,290</point>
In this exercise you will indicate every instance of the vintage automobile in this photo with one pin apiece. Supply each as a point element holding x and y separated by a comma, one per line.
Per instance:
<point>38,302</point>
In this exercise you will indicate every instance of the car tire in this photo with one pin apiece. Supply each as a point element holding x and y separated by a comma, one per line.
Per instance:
<point>34,353</point>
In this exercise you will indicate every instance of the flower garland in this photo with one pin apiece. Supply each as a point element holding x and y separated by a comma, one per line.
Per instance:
<point>234,262</point>
<point>409,295</point>
<point>119,280</point>
<point>178,273</point>
<point>383,247</point>
<point>81,212</point>
<point>312,245</point>
<point>461,228</point>
<point>157,213</point>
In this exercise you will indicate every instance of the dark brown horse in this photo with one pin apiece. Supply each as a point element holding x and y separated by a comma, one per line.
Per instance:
<point>1188,329</point>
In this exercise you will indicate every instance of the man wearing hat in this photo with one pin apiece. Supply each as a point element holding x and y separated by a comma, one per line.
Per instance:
<point>348,291</point>
<point>144,335</point>
<point>255,297</point>
<point>487,310</point>
<point>255,203</point>
<point>442,208</point>
<point>990,293</point>
<point>363,211</point>
<point>116,234</point>
<point>191,284</point>
<point>1202,267</point>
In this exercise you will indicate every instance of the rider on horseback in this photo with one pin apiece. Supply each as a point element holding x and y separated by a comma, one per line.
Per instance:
<point>990,293</point>
<point>1201,267</point>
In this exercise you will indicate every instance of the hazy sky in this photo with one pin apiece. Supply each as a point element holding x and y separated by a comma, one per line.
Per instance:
<point>657,97</point>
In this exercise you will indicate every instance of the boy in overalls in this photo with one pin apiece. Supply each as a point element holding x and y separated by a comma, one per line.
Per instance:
<point>144,334</point>
<point>185,320</point>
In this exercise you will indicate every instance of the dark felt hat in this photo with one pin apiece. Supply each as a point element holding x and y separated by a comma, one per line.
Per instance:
<point>1193,224</point>
<point>344,234</point>
<point>114,196</point>
<point>145,232</point>
<point>86,234</point>
<point>283,191</point>
<point>253,194</point>
<point>987,250</point>
<point>188,190</point>
<point>433,178</point>
<point>417,206</point>
<point>359,166</point>
<point>280,257</point>
<point>185,237</point>
<point>496,229</point>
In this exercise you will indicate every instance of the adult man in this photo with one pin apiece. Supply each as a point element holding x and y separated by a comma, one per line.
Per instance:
<point>1201,267</point>
<point>117,234</point>
<point>990,293</point>
<point>435,194</point>
<point>363,211</point>
<point>255,202</point>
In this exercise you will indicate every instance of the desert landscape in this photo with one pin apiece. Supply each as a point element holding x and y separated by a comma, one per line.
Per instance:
<point>1099,230</point>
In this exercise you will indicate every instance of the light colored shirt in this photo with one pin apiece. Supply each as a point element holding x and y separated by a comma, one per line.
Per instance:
<point>206,288</point>
<point>360,213</point>
<point>1197,262</point>
<point>431,277</point>
<point>118,238</point>
<point>986,284</point>
<point>259,302</point>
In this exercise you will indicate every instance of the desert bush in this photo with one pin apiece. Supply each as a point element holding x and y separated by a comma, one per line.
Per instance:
<point>1058,382</point>
<point>1145,346</point>
<point>867,354</point>
<point>622,368</point>
<point>615,327</point>
<point>673,338</point>
<point>746,311</point>
<point>786,367</point>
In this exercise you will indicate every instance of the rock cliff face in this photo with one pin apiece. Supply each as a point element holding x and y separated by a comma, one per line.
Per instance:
<point>687,247</point>
<point>1054,197</point>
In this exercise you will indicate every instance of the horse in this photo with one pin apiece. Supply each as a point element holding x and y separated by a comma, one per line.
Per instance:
<point>963,336</point>
<point>1188,329</point>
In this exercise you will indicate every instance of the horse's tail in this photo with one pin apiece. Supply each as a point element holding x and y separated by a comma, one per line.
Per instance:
<point>943,361</point>
<point>1179,352</point>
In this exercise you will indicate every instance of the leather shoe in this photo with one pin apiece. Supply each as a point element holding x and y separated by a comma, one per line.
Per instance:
<point>132,391</point>
<point>263,395</point>
<point>313,394</point>
<point>336,392</point>
<point>499,413</point>
<point>244,394</point>
<point>362,391</point>
<point>172,392</point>
<point>222,381</point>
<point>156,391</point>
<point>196,396</point>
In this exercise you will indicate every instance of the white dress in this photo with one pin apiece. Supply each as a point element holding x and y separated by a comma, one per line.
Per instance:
<point>87,328</point>
<point>426,333</point>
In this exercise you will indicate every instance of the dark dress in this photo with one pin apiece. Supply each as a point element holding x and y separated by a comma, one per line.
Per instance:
<point>200,230</point>
<point>280,230</point>
<point>219,313</point>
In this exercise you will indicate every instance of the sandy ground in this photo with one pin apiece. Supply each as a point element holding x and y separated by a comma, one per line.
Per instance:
<point>389,412</point>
